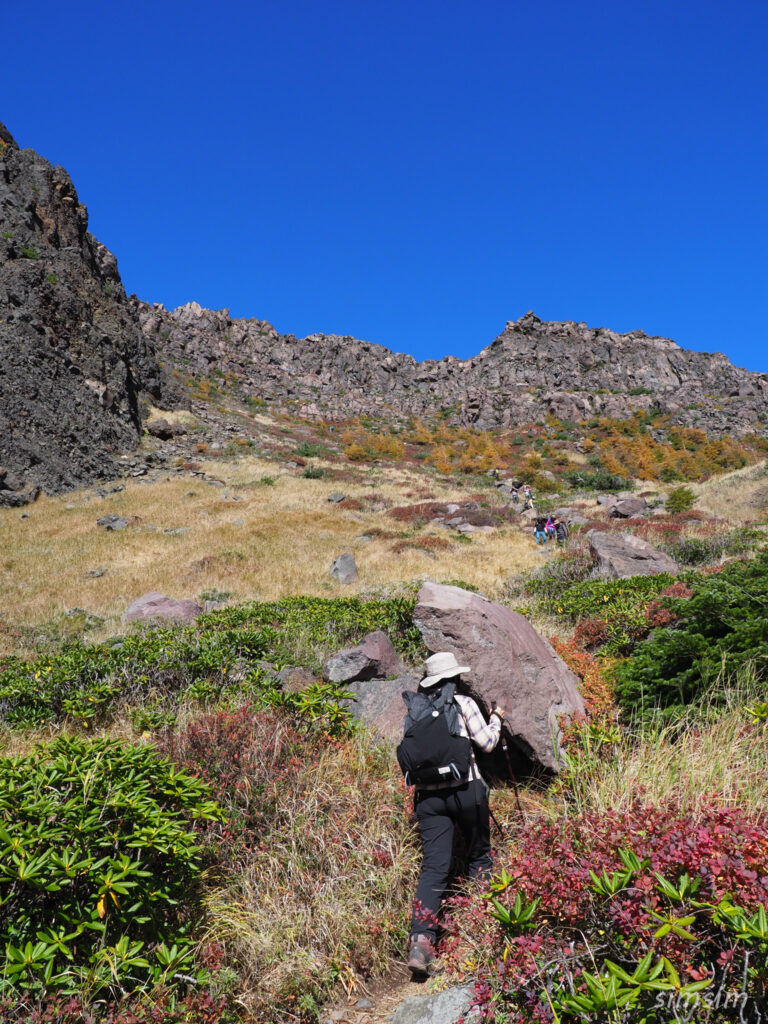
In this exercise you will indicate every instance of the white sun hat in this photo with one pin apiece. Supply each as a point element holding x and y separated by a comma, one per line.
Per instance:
<point>442,665</point>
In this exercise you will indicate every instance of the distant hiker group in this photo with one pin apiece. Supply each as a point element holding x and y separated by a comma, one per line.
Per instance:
<point>547,528</point>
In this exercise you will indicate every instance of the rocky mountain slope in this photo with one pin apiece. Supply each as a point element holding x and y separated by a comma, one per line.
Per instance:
<point>79,358</point>
<point>532,369</point>
<point>74,362</point>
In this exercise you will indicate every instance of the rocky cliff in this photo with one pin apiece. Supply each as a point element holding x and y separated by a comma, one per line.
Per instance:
<point>532,369</point>
<point>79,358</point>
<point>74,361</point>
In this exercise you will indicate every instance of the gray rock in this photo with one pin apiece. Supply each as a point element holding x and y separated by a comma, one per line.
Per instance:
<point>629,508</point>
<point>440,1008</point>
<point>95,573</point>
<point>621,555</point>
<point>113,522</point>
<point>577,519</point>
<point>379,703</point>
<point>344,568</point>
<point>336,497</point>
<point>164,430</point>
<point>373,658</point>
<point>509,663</point>
<point>157,606</point>
<point>179,531</point>
<point>606,500</point>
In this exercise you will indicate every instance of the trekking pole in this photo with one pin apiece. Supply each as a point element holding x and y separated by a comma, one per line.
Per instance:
<point>510,769</point>
<point>505,748</point>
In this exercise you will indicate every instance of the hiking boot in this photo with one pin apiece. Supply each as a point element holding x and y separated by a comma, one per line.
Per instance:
<point>420,955</point>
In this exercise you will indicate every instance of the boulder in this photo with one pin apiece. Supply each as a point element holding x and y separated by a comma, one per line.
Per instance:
<point>606,500</point>
<point>577,519</point>
<point>113,521</point>
<point>14,491</point>
<point>373,658</point>
<point>620,555</point>
<point>157,606</point>
<point>161,428</point>
<point>509,662</point>
<point>344,568</point>
<point>379,703</point>
<point>629,508</point>
<point>444,1007</point>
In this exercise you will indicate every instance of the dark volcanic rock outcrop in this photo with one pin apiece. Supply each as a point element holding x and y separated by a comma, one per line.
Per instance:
<point>533,368</point>
<point>73,359</point>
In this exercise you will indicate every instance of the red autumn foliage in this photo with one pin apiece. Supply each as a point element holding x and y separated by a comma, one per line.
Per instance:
<point>575,926</point>
<point>595,688</point>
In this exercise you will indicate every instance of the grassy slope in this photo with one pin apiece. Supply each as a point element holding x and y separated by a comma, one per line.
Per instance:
<point>288,538</point>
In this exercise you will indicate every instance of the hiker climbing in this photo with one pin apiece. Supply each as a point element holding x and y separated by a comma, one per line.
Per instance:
<point>540,527</point>
<point>443,726</point>
<point>549,528</point>
<point>561,531</point>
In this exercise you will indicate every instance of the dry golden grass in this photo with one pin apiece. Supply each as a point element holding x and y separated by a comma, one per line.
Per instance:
<point>287,536</point>
<point>328,898</point>
<point>716,753</point>
<point>739,497</point>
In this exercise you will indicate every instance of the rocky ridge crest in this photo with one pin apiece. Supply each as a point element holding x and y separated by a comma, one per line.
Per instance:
<point>74,361</point>
<point>532,369</point>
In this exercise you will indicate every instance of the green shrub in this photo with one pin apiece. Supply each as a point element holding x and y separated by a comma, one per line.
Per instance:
<point>721,628</point>
<point>705,550</point>
<point>316,472</point>
<point>217,655</point>
<point>307,449</point>
<point>97,858</point>
<point>600,480</point>
<point>620,606</point>
<point>680,499</point>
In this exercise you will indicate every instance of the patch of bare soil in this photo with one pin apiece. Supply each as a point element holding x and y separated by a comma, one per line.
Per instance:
<point>377,1001</point>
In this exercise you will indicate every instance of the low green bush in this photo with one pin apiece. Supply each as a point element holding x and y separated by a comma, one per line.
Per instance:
<point>721,628</point>
<point>99,864</point>
<point>621,606</point>
<point>222,653</point>
<point>680,499</point>
<point>600,480</point>
<point>693,551</point>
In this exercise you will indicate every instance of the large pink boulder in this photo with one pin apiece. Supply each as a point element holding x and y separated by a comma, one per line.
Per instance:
<point>157,606</point>
<point>509,663</point>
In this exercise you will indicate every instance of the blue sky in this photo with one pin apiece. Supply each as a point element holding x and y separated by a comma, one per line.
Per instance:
<point>416,173</point>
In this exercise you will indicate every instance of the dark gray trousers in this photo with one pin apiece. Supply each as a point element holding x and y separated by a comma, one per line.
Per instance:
<point>439,812</point>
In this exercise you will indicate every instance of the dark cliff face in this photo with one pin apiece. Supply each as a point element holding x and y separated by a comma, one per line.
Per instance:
<point>532,369</point>
<point>74,362</point>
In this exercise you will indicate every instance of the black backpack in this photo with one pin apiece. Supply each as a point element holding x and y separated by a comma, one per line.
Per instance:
<point>432,749</point>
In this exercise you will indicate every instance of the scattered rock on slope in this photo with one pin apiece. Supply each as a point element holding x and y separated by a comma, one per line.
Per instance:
<point>373,658</point>
<point>157,606</point>
<point>344,568</point>
<point>620,555</point>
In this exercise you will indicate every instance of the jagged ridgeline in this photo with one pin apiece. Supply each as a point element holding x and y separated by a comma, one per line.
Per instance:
<point>534,369</point>
<point>80,360</point>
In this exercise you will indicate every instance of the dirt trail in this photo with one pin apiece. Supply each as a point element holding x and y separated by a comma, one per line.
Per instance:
<point>376,1003</point>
